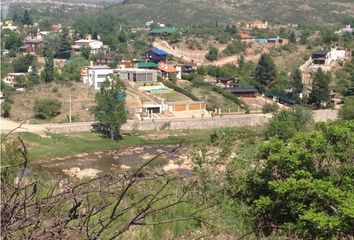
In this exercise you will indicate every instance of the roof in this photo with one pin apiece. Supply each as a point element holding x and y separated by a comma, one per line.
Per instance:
<point>35,40</point>
<point>243,89</point>
<point>159,52</point>
<point>281,98</point>
<point>167,69</point>
<point>135,70</point>
<point>99,67</point>
<point>147,65</point>
<point>321,53</point>
<point>224,79</point>
<point>163,30</point>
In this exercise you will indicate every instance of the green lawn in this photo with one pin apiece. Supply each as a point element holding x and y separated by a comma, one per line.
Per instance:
<point>61,145</point>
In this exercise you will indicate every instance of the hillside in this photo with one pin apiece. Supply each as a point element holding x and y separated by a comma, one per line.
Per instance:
<point>206,11</point>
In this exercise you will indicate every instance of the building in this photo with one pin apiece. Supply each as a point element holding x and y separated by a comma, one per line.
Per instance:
<point>31,45</point>
<point>163,31</point>
<point>225,82</point>
<point>146,65</point>
<point>250,92</point>
<point>95,46</point>
<point>277,41</point>
<point>338,54</point>
<point>185,106</point>
<point>94,76</point>
<point>167,70</point>
<point>322,57</point>
<point>257,24</point>
<point>136,75</point>
<point>8,25</point>
<point>125,64</point>
<point>10,78</point>
<point>56,27</point>
<point>156,55</point>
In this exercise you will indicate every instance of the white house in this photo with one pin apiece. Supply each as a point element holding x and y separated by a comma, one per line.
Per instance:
<point>137,75</point>
<point>94,76</point>
<point>337,54</point>
<point>10,78</point>
<point>95,45</point>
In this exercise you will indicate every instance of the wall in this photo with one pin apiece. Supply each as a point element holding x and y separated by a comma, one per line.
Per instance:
<point>246,120</point>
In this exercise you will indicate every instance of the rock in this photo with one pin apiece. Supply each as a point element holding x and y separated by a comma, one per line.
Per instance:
<point>125,167</point>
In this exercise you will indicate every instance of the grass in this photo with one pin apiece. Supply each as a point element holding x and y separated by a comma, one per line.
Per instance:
<point>61,145</point>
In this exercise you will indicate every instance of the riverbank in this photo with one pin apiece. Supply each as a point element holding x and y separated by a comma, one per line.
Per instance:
<point>43,148</point>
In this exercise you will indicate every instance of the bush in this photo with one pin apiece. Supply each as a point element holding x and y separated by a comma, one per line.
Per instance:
<point>46,108</point>
<point>270,107</point>
<point>5,109</point>
<point>347,111</point>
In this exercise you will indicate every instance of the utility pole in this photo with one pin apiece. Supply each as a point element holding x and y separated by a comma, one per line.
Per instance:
<point>70,108</point>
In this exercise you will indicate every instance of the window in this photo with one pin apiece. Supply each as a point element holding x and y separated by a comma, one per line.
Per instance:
<point>101,75</point>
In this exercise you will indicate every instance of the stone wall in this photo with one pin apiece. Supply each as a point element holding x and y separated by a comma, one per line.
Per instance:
<point>247,120</point>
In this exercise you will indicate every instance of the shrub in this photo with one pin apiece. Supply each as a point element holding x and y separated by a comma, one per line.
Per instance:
<point>347,111</point>
<point>270,107</point>
<point>46,108</point>
<point>5,109</point>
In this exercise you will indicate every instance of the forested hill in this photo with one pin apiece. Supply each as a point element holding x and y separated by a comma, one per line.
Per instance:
<point>202,11</point>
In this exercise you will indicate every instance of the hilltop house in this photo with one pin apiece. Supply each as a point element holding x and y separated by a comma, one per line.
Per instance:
<point>163,31</point>
<point>94,76</point>
<point>245,37</point>
<point>167,70</point>
<point>10,78</point>
<point>30,45</point>
<point>321,57</point>
<point>136,75</point>
<point>250,92</point>
<point>225,82</point>
<point>156,55</point>
<point>95,46</point>
<point>257,24</point>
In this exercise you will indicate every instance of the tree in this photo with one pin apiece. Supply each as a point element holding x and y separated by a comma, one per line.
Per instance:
<point>347,110</point>
<point>48,71</point>
<point>5,109</point>
<point>64,44</point>
<point>296,84</point>
<point>266,71</point>
<point>85,52</point>
<point>212,55</point>
<point>292,38</point>
<point>320,95</point>
<point>22,63</point>
<point>304,186</point>
<point>110,106</point>
<point>12,40</point>
<point>46,108</point>
<point>33,77</point>
<point>285,124</point>
<point>27,19</point>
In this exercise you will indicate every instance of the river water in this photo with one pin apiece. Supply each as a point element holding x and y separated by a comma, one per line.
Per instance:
<point>119,160</point>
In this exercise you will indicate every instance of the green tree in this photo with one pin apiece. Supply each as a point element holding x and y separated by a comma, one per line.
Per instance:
<point>296,84</point>
<point>85,52</point>
<point>5,109</point>
<point>33,77</point>
<point>12,40</point>
<point>48,71</point>
<point>27,19</point>
<point>46,108</point>
<point>347,110</point>
<point>304,186</point>
<point>320,95</point>
<point>22,63</point>
<point>212,55</point>
<point>266,71</point>
<point>285,124</point>
<point>64,44</point>
<point>110,107</point>
<point>292,38</point>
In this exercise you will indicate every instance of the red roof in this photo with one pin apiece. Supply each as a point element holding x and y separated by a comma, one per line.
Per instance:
<point>167,68</point>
